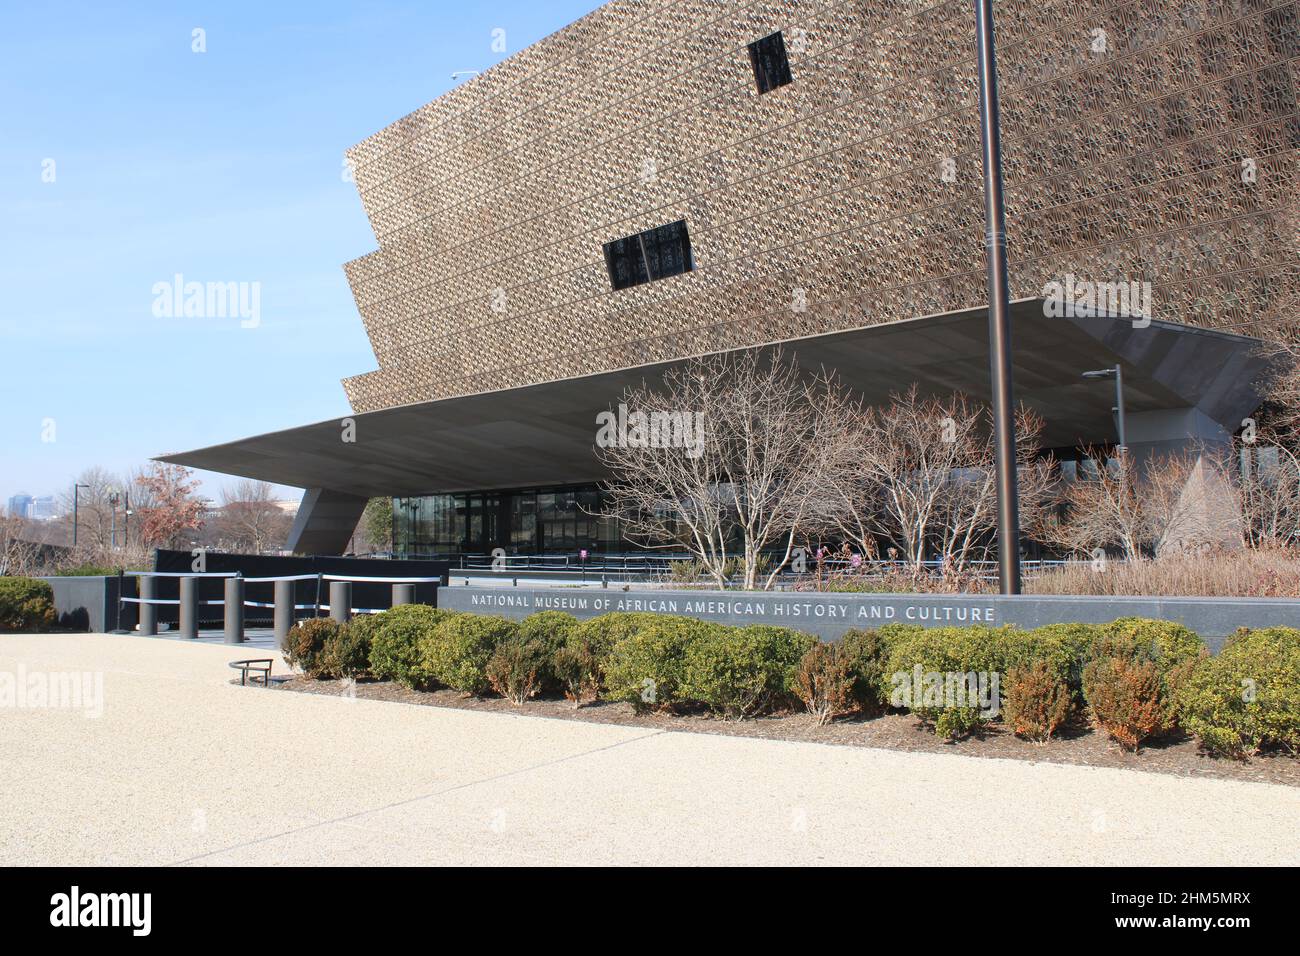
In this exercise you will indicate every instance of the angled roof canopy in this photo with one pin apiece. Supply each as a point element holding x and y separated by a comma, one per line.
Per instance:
<point>544,434</point>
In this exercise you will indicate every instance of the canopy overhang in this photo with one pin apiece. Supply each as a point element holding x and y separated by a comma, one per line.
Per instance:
<point>544,434</point>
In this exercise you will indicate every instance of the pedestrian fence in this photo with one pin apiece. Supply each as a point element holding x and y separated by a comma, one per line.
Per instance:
<point>284,605</point>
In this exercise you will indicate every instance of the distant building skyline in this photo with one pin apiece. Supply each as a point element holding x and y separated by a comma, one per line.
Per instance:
<point>33,507</point>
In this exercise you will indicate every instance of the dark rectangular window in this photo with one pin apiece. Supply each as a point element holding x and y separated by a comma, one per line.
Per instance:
<point>771,66</point>
<point>625,260</point>
<point>654,254</point>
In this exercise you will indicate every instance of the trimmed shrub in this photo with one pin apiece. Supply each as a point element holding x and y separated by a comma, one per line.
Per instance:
<point>457,650</point>
<point>26,604</point>
<point>1172,648</point>
<point>825,681</point>
<point>87,571</point>
<point>577,669</point>
<point>891,632</point>
<point>1247,696</point>
<point>647,664</point>
<point>1037,700</point>
<point>600,634</point>
<point>738,672</point>
<point>580,665</point>
<point>867,653</point>
<point>1124,695</point>
<point>304,645</point>
<point>948,677</point>
<point>516,668</point>
<point>550,629</point>
<point>347,652</point>
<point>1066,644</point>
<point>395,643</point>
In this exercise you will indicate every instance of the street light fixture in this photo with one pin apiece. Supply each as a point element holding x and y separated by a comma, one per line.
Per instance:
<point>75,488</point>
<point>1117,373</point>
<point>459,73</point>
<point>113,499</point>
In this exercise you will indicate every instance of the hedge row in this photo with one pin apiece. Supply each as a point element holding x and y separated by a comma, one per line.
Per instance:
<point>1134,678</point>
<point>26,605</point>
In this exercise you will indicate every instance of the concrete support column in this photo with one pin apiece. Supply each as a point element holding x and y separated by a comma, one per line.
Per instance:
<point>325,522</point>
<point>283,610</point>
<point>403,594</point>
<point>148,612</point>
<point>189,608</point>
<point>341,601</point>
<point>234,610</point>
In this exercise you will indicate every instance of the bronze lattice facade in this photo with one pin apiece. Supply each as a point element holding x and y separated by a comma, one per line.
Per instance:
<point>1156,140</point>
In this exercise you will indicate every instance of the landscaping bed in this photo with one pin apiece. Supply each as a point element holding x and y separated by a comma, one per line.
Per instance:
<point>1077,744</point>
<point>1134,693</point>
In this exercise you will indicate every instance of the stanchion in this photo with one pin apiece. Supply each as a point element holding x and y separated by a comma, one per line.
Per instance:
<point>403,594</point>
<point>148,610</point>
<point>235,610</point>
<point>341,601</point>
<point>283,610</point>
<point>189,608</point>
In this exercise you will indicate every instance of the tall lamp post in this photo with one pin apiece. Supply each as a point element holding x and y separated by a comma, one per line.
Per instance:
<point>75,489</point>
<point>113,499</point>
<point>995,244</point>
<point>1117,374</point>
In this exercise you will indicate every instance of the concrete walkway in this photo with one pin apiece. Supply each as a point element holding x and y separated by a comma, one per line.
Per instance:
<point>183,768</point>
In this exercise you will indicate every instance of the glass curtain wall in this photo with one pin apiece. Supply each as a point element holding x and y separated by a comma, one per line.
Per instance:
<point>527,521</point>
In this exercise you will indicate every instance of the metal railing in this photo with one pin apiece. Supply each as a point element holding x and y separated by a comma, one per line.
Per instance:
<point>596,563</point>
<point>658,570</point>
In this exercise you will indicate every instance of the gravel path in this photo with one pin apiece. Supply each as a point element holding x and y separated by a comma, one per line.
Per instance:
<point>183,767</point>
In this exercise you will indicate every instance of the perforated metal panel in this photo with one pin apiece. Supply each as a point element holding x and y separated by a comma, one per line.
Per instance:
<point>1155,141</point>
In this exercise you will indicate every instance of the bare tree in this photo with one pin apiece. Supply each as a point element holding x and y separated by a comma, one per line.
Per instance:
<point>723,458</point>
<point>919,474</point>
<point>1268,481</point>
<point>250,518</point>
<point>91,504</point>
<point>18,555</point>
<point>1174,503</point>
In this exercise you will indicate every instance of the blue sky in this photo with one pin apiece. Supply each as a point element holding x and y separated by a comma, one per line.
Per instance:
<point>223,166</point>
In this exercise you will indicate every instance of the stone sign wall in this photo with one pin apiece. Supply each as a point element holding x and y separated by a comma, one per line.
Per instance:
<point>829,615</point>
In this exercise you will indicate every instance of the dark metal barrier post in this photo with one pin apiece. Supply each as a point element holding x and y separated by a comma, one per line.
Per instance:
<point>189,608</point>
<point>283,610</point>
<point>403,594</point>
<point>995,242</point>
<point>235,610</point>
<point>341,601</point>
<point>148,610</point>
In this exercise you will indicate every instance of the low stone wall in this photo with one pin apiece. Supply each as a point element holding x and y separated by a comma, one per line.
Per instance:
<point>829,615</point>
<point>90,603</point>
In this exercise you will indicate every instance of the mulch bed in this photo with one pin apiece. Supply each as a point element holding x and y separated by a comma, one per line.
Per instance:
<point>1078,744</point>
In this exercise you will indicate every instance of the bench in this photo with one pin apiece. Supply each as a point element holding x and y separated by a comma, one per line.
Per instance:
<point>258,666</point>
